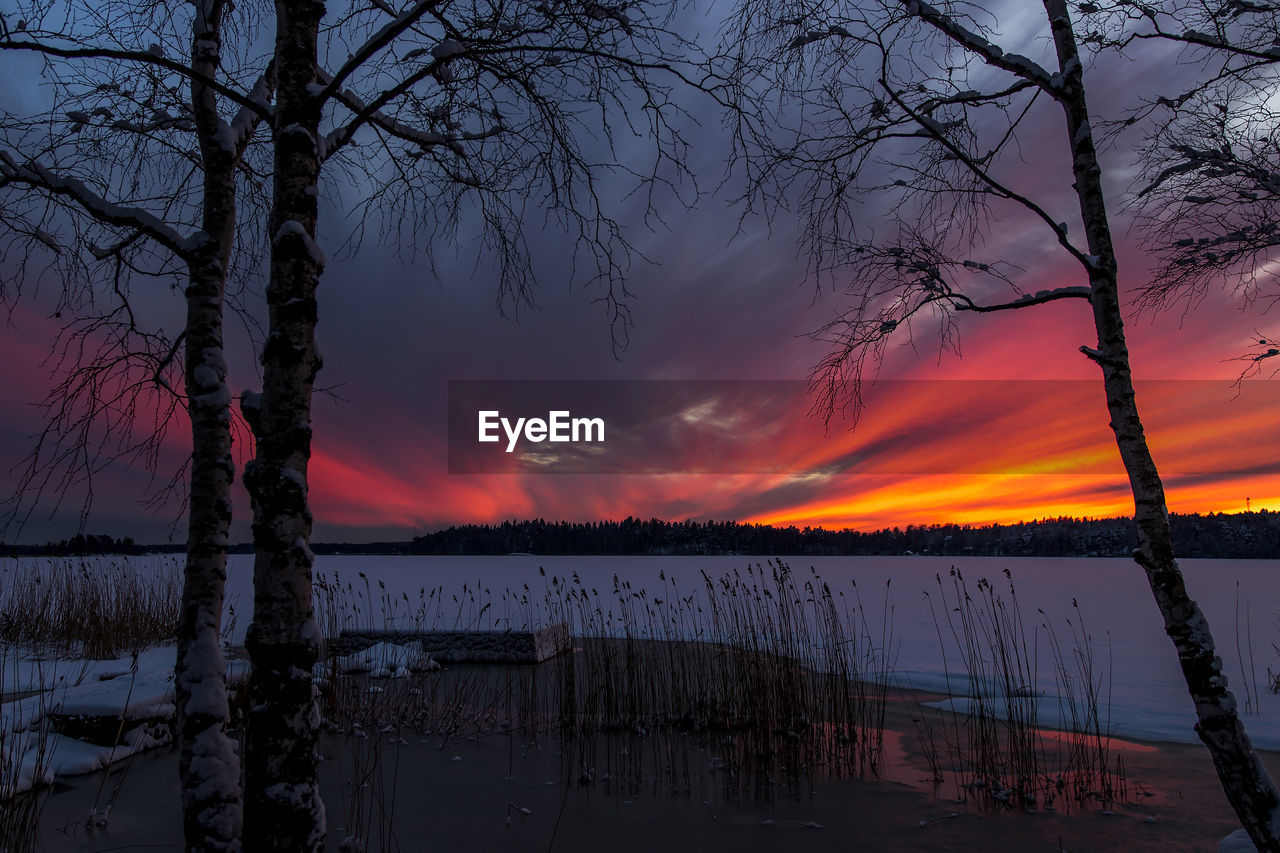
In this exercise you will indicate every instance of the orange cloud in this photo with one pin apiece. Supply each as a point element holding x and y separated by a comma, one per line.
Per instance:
<point>970,452</point>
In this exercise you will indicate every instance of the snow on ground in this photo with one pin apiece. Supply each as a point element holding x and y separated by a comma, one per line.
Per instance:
<point>135,688</point>
<point>43,756</point>
<point>23,750</point>
<point>72,757</point>
<point>96,688</point>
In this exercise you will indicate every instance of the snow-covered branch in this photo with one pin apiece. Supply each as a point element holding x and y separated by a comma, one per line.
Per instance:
<point>990,53</point>
<point>365,113</point>
<point>1198,39</point>
<point>241,128</point>
<point>1026,300</point>
<point>35,175</point>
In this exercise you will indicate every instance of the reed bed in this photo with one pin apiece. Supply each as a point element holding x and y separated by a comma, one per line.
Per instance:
<point>769,675</point>
<point>770,671</point>
<point>91,607</point>
<point>996,744</point>
<point>766,671</point>
<point>1273,676</point>
<point>67,608</point>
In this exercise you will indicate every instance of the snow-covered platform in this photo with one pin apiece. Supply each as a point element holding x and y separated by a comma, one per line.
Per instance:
<point>464,646</point>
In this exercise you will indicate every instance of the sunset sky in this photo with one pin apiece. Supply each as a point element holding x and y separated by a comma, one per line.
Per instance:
<point>723,299</point>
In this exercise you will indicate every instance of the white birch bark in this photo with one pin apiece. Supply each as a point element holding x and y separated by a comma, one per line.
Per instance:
<point>209,767</point>
<point>283,809</point>
<point>1245,781</point>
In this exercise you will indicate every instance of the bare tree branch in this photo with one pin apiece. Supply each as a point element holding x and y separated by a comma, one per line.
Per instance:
<point>977,44</point>
<point>247,102</point>
<point>33,174</point>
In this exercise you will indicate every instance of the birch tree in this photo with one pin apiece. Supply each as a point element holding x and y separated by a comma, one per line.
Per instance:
<point>441,114</point>
<point>125,188</point>
<point>842,103</point>
<point>447,114</point>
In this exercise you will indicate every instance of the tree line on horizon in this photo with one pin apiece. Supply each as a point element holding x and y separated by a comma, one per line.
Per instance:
<point>1253,535</point>
<point>1246,535</point>
<point>81,545</point>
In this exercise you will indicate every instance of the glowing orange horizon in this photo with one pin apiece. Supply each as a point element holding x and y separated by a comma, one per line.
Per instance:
<point>933,457</point>
<point>925,501</point>
<point>1039,458</point>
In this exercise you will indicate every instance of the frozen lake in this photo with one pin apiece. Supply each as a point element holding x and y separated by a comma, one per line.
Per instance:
<point>1133,660</point>
<point>896,606</point>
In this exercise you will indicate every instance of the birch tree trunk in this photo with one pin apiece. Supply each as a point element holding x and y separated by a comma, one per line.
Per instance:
<point>283,810</point>
<point>209,768</point>
<point>1250,790</point>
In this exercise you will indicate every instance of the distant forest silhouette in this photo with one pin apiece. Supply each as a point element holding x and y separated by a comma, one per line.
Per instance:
<point>1254,535</point>
<point>1247,535</point>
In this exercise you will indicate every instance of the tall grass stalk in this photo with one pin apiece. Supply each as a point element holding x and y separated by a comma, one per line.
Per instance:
<point>996,743</point>
<point>24,763</point>
<point>92,607</point>
<point>764,677</point>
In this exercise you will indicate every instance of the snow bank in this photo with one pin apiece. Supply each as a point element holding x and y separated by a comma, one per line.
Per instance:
<point>72,757</point>
<point>101,688</point>
<point>98,688</point>
<point>138,688</point>
<point>1237,842</point>
<point>32,759</point>
<point>22,764</point>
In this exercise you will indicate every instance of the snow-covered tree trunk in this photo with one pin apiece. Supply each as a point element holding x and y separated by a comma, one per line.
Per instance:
<point>283,810</point>
<point>208,765</point>
<point>1250,790</point>
<point>209,768</point>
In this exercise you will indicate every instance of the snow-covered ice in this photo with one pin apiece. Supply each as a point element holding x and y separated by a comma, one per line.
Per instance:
<point>72,757</point>
<point>1142,692</point>
<point>137,689</point>
<point>1141,689</point>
